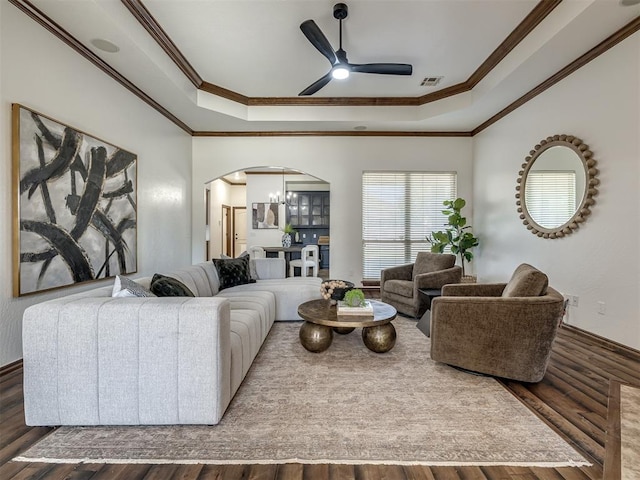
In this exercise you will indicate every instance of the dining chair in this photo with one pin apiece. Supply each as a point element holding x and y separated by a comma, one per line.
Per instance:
<point>309,258</point>
<point>257,252</point>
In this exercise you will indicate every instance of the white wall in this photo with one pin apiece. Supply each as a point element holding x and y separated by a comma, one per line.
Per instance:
<point>220,195</point>
<point>339,161</point>
<point>42,73</point>
<point>600,104</point>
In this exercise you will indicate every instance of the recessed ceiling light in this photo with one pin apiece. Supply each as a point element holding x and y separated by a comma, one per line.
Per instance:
<point>360,127</point>
<point>105,45</point>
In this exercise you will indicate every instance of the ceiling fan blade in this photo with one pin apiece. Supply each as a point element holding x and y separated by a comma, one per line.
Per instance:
<point>317,85</point>
<point>383,68</point>
<point>318,40</point>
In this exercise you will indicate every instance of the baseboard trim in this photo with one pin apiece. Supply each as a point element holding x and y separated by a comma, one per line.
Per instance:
<point>10,367</point>
<point>603,341</point>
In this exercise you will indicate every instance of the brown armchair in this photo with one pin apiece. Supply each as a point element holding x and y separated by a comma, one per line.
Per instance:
<point>505,330</point>
<point>399,285</point>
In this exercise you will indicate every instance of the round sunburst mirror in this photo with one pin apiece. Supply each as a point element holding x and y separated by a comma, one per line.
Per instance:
<point>556,186</point>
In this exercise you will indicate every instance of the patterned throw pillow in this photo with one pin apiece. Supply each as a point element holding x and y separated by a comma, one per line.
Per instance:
<point>125,287</point>
<point>164,286</point>
<point>253,271</point>
<point>232,271</point>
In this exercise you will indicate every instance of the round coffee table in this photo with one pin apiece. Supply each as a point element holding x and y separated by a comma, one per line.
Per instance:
<point>321,320</point>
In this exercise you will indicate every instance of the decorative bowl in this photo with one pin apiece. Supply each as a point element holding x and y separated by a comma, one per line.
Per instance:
<point>334,290</point>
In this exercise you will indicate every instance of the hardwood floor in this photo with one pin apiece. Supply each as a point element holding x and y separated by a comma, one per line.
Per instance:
<point>572,398</point>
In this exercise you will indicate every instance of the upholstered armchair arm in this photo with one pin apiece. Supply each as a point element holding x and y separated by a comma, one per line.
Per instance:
<point>101,360</point>
<point>437,279</point>
<point>473,290</point>
<point>504,336</point>
<point>401,272</point>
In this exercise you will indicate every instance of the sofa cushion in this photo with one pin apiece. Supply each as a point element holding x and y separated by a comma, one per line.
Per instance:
<point>399,287</point>
<point>526,281</point>
<point>125,287</point>
<point>263,303</point>
<point>232,271</point>
<point>164,286</point>
<point>289,293</point>
<point>427,262</point>
<point>195,279</point>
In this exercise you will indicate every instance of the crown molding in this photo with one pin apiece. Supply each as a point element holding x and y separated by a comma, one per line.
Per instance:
<point>333,133</point>
<point>524,28</point>
<point>537,15</point>
<point>140,12</point>
<point>35,14</point>
<point>137,9</point>
<point>609,42</point>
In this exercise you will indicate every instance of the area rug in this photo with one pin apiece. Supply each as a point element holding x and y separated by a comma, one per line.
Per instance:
<point>630,431</point>
<point>345,405</point>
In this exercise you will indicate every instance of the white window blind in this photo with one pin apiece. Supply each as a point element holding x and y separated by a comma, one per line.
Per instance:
<point>399,209</point>
<point>551,196</point>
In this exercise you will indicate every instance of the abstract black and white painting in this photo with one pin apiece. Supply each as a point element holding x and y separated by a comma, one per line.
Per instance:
<point>75,213</point>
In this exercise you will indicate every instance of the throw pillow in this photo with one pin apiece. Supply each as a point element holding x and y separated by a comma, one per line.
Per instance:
<point>125,287</point>
<point>526,281</point>
<point>164,286</point>
<point>253,272</point>
<point>232,271</point>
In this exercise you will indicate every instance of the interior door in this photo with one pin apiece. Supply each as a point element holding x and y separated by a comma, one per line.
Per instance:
<point>239,230</point>
<point>225,241</point>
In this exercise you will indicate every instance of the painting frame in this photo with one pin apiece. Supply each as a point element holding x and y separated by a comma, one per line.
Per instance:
<point>75,215</point>
<point>264,215</point>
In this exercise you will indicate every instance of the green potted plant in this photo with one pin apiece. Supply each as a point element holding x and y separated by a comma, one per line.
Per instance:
<point>354,298</point>
<point>286,237</point>
<point>457,234</point>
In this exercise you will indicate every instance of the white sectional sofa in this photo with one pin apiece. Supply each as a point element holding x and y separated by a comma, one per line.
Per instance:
<point>91,359</point>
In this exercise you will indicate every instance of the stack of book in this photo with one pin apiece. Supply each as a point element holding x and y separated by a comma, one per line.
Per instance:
<point>346,312</point>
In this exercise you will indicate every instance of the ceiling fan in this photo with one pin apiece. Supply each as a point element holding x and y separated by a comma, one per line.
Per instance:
<point>340,66</point>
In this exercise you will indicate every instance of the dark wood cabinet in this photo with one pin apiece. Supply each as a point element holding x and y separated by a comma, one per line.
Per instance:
<point>309,210</point>
<point>324,256</point>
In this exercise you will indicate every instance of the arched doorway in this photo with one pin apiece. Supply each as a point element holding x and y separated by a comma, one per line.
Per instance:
<point>289,196</point>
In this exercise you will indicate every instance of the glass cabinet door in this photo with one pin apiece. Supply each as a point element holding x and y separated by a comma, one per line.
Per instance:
<point>304,210</point>
<point>316,210</point>
<point>309,209</point>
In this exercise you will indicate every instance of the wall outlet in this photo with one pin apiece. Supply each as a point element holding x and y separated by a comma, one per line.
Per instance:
<point>573,300</point>
<point>602,308</point>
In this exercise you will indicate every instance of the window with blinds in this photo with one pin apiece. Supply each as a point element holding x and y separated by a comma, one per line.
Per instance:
<point>399,210</point>
<point>551,196</point>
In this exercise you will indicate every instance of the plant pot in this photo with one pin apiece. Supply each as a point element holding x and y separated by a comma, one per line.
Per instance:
<point>469,279</point>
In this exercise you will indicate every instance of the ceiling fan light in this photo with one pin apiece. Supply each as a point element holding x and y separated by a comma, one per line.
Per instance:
<point>340,73</point>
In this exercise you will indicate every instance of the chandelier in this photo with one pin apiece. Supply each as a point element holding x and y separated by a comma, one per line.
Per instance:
<point>282,196</point>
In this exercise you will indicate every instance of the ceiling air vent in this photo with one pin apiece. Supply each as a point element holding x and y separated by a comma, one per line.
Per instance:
<point>430,81</point>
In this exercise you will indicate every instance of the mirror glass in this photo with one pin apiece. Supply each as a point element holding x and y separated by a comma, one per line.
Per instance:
<point>556,186</point>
